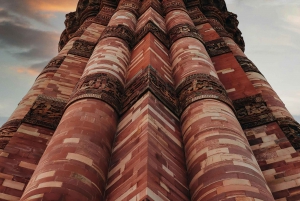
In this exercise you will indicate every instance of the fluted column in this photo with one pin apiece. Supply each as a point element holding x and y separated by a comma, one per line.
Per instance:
<point>74,165</point>
<point>219,159</point>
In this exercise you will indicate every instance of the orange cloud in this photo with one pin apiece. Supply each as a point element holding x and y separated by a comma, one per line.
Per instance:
<point>53,5</point>
<point>28,71</point>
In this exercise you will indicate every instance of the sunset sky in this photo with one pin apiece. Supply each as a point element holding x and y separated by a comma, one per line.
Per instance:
<point>30,30</point>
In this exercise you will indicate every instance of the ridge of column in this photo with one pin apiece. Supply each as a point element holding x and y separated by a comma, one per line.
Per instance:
<point>79,172</point>
<point>268,126</point>
<point>209,127</point>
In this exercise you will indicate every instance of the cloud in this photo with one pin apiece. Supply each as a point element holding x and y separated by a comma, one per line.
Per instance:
<point>38,10</point>
<point>53,5</point>
<point>27,42</point>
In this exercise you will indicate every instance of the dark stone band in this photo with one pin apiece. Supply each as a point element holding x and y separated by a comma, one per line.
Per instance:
<point>201,86</point>
<point>217,47</point>
<point>184,30</point>
<point>102,86</point>
<point>253,111</point>
<point>121,31</point>
<point>82,48</point>
<point>46,112</point>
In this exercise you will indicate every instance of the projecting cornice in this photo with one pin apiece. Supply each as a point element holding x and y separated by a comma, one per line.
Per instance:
<point>212,9</point>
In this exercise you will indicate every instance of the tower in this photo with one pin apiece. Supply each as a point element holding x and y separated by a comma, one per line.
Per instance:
<point>150,100</point>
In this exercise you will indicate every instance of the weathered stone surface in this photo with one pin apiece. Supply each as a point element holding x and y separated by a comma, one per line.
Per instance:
<point>253,111</point>
<point>46,111</point>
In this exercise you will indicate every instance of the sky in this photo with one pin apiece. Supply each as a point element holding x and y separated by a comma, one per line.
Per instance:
<point>30,31</point>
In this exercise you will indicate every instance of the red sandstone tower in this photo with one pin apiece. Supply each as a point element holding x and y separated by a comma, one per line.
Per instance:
<point>150,100</point>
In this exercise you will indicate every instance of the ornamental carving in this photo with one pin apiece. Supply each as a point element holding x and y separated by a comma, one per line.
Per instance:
<point>247,65</point>
<point>53,65</point>
<point>104,16</point>
<point>46,112</point>
<point>155,30</point>
<point>201,86</point>
<point>155,4</point>
<point>130,5</point>
<point>197,16</point>
<point>7,131</point>
<point>253,111</point>
<point>218,27</point>
<point>183,30</point>
<point>291,129</point>
<point>82,48</point>
<point>121,31</point>
<point>171,5</point>
<point>100,86</point>
<point>217,47</point>
<point>149,80</point>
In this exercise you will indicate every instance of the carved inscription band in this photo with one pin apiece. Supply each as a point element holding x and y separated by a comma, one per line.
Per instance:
<point>247,65</point>
<point>82,48</point>
<point>201,86</point>
<point>173,5</point>
<point>184,30</point>
<point>149,79</point>
<point>7,131</point>
<point>131,6</point>
<point>53,65</point>
<point>217,47</point>
<point>100,86</point>
<point>46,111</point>
<point>253,111</point>
<point>120,31</point>
<point>291,129</point>
<point>155,30</point>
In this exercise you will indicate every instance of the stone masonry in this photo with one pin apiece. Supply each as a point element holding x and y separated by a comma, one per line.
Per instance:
<point>150,100</point>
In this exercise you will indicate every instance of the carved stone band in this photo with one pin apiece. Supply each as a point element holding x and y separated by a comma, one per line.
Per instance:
<point>291,129</point>
<point>82,48</point>
<point>7,131</point>
<point>102,86</point>
<point>247,64</point>
<point>149,80</point>
<point>155,30</point>
<point>184,30</point>
<point>217,47</point>
<point>253,111</point>
<point>197,16</point>
<point>201,86</point>
<point>46,112</point>
<point>121,31</point>
<point>131,6</point>
<point>53,65</point>
<point>173,5</point>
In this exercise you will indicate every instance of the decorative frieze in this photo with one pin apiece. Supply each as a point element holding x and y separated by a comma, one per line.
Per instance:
<point>201,86</point>
<point>102,86</point>
<point>168,6</point>
<point>184,30</point>
<point>130,5</point>
<point>149,80</point>
<point>291,129</point>
<point>104,16</point>
<point>197,16</point>
<point>253,111</point>
<point>82,48</point>
<point>46,112</point>
<point>247,65</point>
<point>53,65</point>
<point>218,27</point>
<point>155,30</point>
<point>120,31</point>
<point>7,131</point>
<point>217,47</point>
